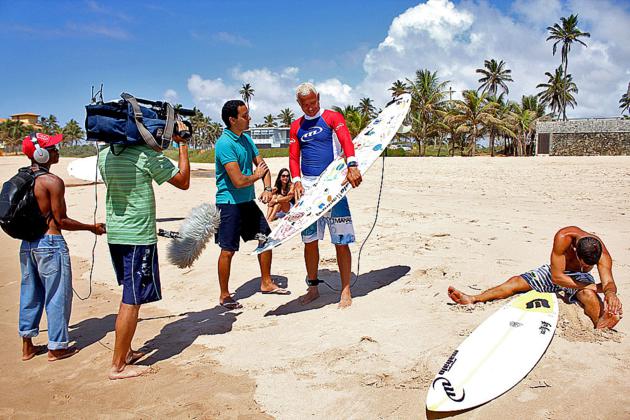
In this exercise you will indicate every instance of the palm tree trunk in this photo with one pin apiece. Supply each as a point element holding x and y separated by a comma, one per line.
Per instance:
<point>492,143</point>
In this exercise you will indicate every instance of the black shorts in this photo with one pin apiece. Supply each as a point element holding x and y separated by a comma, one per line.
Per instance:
<point>138,272</point>
<point>243,220</point>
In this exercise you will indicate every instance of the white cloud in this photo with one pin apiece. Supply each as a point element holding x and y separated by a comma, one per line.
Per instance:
<point>454,40</point>
<point>170,96</point>
<point>273,91</point>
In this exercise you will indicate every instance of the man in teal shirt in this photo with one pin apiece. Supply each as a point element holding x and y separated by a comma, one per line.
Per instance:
<point>128,173</point>
<point>235,155</point>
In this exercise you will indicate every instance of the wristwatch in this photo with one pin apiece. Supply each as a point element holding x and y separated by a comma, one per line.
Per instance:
<point>268,189</point>
<point>353,164</point>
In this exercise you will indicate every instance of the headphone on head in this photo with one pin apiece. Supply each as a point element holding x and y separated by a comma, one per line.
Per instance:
<point>40,155</point>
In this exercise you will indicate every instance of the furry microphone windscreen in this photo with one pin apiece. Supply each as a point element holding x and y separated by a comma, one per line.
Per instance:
<point>195,232</point>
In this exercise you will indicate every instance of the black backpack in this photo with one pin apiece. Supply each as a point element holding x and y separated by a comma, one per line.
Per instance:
<point>20,216</point>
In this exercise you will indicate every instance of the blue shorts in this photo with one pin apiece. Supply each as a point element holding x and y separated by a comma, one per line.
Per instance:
<point>339,222</point>
<point>243,220</point>
<point>138,271</point>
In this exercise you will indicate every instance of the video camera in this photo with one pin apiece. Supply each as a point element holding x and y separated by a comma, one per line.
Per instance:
<point>132,121</point>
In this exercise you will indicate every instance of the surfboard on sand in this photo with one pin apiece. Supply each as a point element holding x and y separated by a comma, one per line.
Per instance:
<point>85,169</point>
<point>497,355</point>
<point>328,189</point>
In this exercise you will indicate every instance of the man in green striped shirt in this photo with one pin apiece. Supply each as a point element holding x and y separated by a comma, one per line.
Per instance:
<point>128,173</point>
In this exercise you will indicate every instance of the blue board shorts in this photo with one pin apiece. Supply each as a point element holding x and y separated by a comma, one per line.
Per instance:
<point>338,219</point>
<point>138,271</point>
<point>243,220</point>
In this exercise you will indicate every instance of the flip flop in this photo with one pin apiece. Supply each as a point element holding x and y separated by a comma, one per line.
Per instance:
<point>276,291</point>
<point>231,304</point>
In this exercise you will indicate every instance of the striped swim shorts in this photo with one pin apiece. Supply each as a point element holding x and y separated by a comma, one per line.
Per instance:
<point>539,279</point>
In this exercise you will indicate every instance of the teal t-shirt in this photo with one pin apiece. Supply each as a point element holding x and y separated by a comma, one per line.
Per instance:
<point>233,148</point>
<point>130,201</point>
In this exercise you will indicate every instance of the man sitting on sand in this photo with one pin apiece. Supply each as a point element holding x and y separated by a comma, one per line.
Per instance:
<point>574,254</point>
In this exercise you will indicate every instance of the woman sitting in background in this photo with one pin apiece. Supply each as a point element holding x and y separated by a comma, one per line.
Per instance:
<point>282,198</point>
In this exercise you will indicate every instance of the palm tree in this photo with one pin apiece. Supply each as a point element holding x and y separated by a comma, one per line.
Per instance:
<point>558,92</point>
<point>566,34</point>
<point>12,132</point>
<point>524,124</point>
<point>624,102</point>
<point>473,116</point>
<point>367,108</point>
<point>500,126</point>
<point>494,76</point>
<point>269,121</point>
<point>72,132</point>
<point>428,95</point>
<point>247,93</point>
<point>50,125</point>
<point>355,119</point>
<point>286,117</point>
<point>398,88</point>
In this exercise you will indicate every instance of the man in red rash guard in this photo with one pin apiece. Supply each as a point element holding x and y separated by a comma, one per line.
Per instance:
<point>316,139</point>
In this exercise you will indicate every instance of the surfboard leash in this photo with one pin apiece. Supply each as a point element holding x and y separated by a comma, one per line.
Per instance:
<point>378,205</point>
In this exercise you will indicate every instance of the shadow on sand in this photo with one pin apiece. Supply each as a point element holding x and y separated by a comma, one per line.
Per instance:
<point>366,283</point>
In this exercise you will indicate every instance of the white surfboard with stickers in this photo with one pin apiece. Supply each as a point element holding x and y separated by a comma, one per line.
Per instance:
<point>329,188</point>
<point>497,355</point>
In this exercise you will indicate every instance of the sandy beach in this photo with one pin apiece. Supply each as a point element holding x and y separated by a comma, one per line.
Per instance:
<point>467,222</point>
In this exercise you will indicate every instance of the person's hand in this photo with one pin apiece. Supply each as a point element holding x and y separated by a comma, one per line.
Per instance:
<point>612,304</point>
<point>261,170</point>
<point>353,176</point>
<point>179,127</point>
<point>98,229</point>
<point>298,190</point>
<point>265,197</point>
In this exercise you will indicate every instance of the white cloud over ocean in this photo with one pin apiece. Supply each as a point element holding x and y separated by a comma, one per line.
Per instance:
<point>455,40</point>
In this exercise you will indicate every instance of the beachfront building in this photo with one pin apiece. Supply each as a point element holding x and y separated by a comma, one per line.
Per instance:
<point>28,119</point>
<point>583,137</point>
<point>269,137</point>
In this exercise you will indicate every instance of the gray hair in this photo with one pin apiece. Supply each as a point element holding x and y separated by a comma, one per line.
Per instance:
<point>305,89</point>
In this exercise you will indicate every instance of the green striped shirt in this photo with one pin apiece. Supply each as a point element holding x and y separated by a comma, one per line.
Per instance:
<point>130,200</point>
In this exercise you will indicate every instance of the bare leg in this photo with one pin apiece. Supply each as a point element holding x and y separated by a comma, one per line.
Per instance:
<point>126,323</point>
<point>29,350</point>
<point>311,258</point>
<point>344,261</point>
<point>224,265</point>
<point>271,215</point>
<point>509,288</point>
<point>594,309</point>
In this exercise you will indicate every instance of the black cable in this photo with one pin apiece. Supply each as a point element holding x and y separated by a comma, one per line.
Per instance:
<point>378,205</point>
<point>95,235</point>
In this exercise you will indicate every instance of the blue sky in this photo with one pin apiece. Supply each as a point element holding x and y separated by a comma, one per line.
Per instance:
<point>199,53</point>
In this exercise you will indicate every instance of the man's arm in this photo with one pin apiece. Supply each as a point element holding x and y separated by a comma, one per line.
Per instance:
<point>239,180</point>
<point>294,160</point>
<point>56,191</point>
<point>562,242</point>
<point>265,197</point>
<point>338,124</point>
<point>612,304</point>
<point>181,179</point>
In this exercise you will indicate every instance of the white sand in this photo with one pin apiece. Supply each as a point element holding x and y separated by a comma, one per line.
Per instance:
<point>467,222</point>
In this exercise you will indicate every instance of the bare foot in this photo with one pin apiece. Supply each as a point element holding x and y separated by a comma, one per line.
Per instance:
<point>128,372</point>
<point>345,301</point>
<point>311,294</point>
<point>133,356</point>
<point>459,297</point>
<point>28,352</point>
<point>54,355</point>
<point>607,320</point>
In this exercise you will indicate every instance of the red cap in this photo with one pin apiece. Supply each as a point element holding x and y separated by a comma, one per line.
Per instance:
<point>44,141</point>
